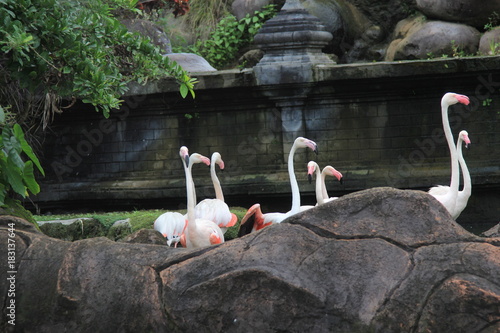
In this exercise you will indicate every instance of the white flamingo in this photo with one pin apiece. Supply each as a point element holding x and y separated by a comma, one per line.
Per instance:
<point>199,232</point>
<point>171,225</point>
<point>321,192</point>
<point>216,209</point>
<point>254,219</point>
<point>464,194</point>
<point>449,198</point>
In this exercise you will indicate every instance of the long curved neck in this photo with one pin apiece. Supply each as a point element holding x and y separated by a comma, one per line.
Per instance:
<point>465,171</point>
<point>455,177</point>
<point>324,193</point>
<point>319,187</point>
<point>215,180</point>
<point>293,182</point>
<point>191,200</point>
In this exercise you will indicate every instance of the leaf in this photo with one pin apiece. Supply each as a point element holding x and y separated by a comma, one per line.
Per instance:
<point>15,179</point>
<point>29,178</point>
<point>2,116</point>
<point>26,148</point>
<point>184,90</point>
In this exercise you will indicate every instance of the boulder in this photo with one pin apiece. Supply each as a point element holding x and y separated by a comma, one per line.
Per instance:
<point>471,12</point>
<point>72,229</point>
<point>492,232</point>
<point>417,38</point>
<point>489,44</point>
<point>379,260</point>
<point>191,62</point>
<point>242,8</point>
<point>145,236</point>
<point>151,30</point>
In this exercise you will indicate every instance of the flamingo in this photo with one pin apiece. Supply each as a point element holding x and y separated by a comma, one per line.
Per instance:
<point>321,193</point>
<point>464,194</point>
<point>216,209</point>
<point>199,232</point>
<point>254,219</point>
<point>449,198</point>
<point>171,225</point>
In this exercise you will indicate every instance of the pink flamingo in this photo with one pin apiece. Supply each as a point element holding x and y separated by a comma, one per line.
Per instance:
<point>199,232</point>
<point>254,219</point>
<point>216,209</point>
<point>321,192</point>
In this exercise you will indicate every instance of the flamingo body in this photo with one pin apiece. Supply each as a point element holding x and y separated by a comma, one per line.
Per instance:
<point>171,225</point>
<point>216,210</point>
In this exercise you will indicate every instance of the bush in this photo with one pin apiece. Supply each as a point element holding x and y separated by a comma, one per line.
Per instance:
<point>230,36</point>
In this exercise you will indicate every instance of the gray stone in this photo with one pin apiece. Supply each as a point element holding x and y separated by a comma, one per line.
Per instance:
<point>417,38</point>
<point>379,260</point>
<point>145,236</point>
<point>489,44</point>
<point>241,8</point>
<point>72,229</point>
<point>149,29</point>
<point>471,12</point>
<point>191,62</point>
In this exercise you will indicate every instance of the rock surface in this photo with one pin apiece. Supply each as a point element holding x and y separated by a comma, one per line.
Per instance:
<point>473,12</point>
<point>380,260</point>
<point>417,38</point>
<point>191,62</point>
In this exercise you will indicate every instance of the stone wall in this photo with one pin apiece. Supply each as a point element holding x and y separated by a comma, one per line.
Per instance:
<point>379,124</point>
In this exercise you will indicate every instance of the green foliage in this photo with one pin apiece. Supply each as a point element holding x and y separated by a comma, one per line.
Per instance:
<point>79,48</point>
<point>493,21</point>
<point>17,162</point>
<point>230,36</point>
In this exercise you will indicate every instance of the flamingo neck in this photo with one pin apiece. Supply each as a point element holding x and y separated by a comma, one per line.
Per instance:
<point>466,175</point>
<point>191,201</point>
<point>324,193</point>
<point>455,177</point>
<point>319,187</point>
<point>293,182</point>
<point>215,180</point>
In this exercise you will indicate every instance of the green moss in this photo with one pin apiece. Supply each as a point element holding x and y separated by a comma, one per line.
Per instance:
<point>14,208</point>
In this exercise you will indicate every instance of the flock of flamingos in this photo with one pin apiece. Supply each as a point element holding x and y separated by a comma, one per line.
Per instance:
<point>206,221</point>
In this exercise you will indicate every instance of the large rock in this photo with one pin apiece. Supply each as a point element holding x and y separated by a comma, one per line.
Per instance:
<point>380,260</point>
<point>417,38</point>
<point>489,44</point>
<point>191,62</point>
<point>472,12</point>
<point>151,30</point>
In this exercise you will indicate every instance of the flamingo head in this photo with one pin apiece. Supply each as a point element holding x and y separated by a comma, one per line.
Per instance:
<point>198,158</point>
<point>215,238</point>
<point>464,136</point>
<point>453,98</point>
<point>302,142</point>
<point>329,170</point>
<point>217,159</point>
<point>311,168</point>
<point>184,154</point>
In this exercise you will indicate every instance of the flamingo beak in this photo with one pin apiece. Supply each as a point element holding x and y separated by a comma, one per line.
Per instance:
<point>186,159</point>
<point>309,178</point>
<point>341,180</point>
<point>462,99</point>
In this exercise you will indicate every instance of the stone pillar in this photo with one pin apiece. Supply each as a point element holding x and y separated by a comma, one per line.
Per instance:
<point>292,43</point>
